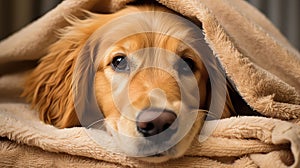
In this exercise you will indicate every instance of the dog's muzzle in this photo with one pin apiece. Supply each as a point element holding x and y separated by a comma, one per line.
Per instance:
<point>157,125</point>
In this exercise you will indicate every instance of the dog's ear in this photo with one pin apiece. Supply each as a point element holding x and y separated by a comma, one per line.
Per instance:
<point>49,86</point>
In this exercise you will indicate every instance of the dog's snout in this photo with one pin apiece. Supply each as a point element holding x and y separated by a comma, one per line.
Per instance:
<point>153,122</point>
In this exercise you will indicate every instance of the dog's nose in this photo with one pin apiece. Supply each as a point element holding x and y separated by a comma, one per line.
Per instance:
<point>153,122</point>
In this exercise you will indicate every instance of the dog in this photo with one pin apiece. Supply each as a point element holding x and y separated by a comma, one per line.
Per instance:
<point>142,67</point>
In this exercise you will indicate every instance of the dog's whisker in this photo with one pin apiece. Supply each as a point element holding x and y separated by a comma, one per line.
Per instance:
<point>203,111</point>
<point>100,124</point>
<point>209,114</point>
<point>97,124</point>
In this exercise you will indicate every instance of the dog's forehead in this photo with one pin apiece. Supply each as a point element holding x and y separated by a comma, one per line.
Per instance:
<point>153,48</point>
<point>156,22</point>
<point>152,40</point>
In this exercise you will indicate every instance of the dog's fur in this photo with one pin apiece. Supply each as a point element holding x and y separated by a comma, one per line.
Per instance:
<point>50,87</point>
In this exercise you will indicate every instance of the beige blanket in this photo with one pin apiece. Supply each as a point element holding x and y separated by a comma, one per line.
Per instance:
<point>262,64</point>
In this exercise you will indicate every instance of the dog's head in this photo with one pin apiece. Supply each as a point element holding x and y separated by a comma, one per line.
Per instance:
<point>148,71</point>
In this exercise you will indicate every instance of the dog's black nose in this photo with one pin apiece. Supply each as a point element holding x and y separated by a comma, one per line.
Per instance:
<point>153,122</point>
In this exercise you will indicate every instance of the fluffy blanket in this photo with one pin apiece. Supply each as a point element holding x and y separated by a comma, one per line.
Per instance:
<point>263,67</point>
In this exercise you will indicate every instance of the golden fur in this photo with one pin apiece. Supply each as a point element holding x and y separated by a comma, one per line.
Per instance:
<point>50,86</point>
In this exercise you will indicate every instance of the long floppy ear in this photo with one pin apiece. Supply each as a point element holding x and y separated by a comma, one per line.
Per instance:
<point>49,86</point>
<point>49,89</point>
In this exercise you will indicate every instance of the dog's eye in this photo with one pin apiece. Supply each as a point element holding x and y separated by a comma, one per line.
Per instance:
<point>186,66</point>
<point>120,63</point>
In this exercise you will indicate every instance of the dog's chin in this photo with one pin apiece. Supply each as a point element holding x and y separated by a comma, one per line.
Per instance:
<point>152,156</point>
<point>159,158</point>
<point>174,152</point>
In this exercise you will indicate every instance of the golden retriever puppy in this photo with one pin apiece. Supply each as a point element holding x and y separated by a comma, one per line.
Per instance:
<point>145,71</point>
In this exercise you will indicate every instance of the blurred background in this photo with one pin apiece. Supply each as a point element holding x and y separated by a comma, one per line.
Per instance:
<point>15,14</point>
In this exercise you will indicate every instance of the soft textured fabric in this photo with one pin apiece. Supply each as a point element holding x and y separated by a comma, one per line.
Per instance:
<point>234,142</point>
<point>263,66</point>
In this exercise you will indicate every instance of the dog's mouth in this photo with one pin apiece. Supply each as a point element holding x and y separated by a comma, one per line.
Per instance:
<point>158,155</point>
<point>156,149</point>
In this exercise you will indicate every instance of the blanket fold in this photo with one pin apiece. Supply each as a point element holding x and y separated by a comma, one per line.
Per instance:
<point>257,58</point>
<point>247,138</point>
